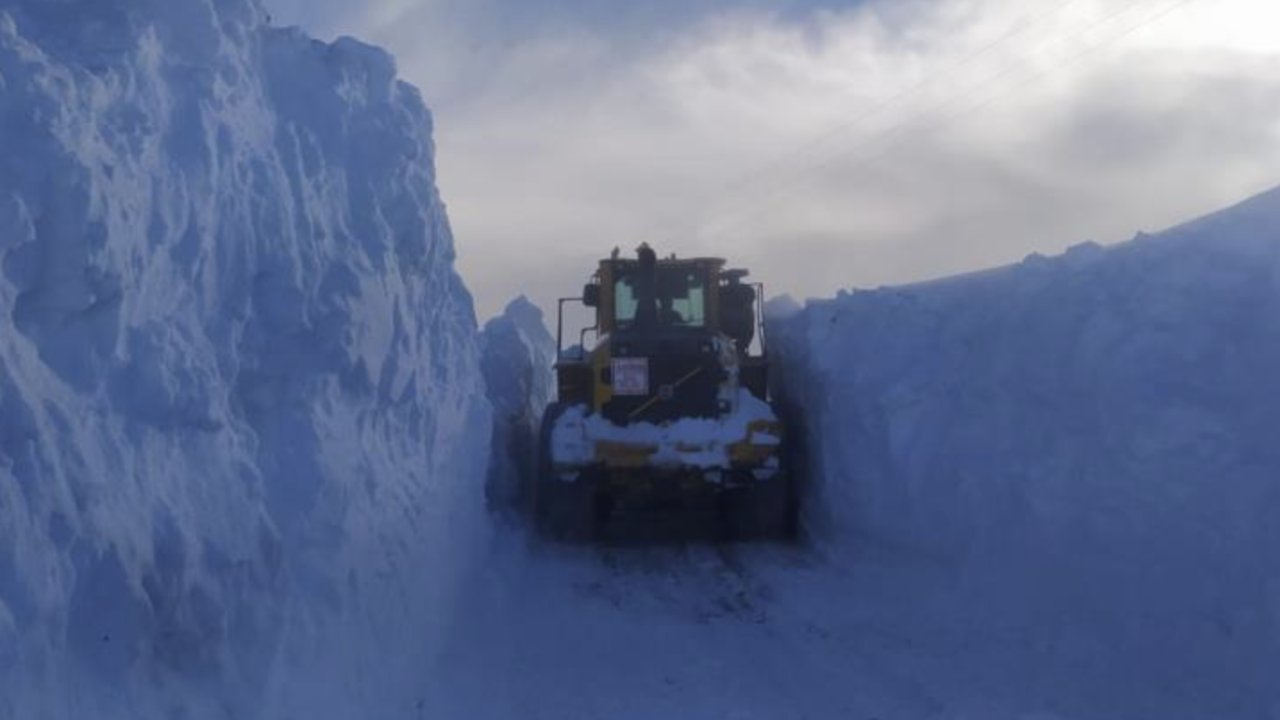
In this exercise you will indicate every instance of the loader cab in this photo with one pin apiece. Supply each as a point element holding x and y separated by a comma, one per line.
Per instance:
<point>679,295</point>
<point>675,329</point>
<point>675,297</point>
<point>696,294</point>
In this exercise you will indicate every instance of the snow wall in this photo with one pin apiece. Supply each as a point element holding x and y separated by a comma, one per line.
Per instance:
<point>1087,444</point>
<point>242,429</point>
<point>516,358</point>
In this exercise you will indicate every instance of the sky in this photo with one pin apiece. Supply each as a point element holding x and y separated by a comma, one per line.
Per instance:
<point>823,144</point>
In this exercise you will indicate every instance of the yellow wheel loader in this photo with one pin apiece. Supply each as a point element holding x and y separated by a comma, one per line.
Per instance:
<point>666,414</point>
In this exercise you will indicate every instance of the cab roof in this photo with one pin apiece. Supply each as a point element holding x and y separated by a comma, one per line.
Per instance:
<point>670,260</point>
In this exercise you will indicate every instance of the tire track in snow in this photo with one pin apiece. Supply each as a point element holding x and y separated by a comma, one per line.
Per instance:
<point>698,582</point>
<point>693,630</point>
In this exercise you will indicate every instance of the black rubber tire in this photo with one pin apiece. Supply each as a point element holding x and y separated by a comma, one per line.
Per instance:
<point>775,502</point>
<point>558,507</point>
<point>776,510</point>
<point>756,512</point>
<point>542,490</point>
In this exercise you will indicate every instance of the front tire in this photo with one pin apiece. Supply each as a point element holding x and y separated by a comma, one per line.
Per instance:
<point>558,510</point>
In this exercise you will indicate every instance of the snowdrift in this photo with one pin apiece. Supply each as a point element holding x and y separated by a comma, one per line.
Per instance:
<point>1087,444</point>
<point>516,358</point>
<point>242,429</point>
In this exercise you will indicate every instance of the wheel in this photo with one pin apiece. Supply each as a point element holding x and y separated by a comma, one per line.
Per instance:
<point>558,510</point>
<point>777,507</point>
<point>767,510</point>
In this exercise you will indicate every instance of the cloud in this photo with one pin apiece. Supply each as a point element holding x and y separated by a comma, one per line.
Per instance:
<point>829,144</point>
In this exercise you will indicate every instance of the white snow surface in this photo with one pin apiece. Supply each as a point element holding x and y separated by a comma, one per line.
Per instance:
<point>242,428</point>
<point>517,359</point>
<point>689,442</point>
<point>1088,441</point>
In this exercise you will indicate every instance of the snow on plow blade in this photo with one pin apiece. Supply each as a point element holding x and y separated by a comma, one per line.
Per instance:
<point>750,436</point>
<point>728,468</point>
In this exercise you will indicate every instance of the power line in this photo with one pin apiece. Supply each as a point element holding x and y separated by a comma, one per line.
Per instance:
<point>750,177</point>
<point>1020,26</point>
<point>931,113</point>
<point>887,137</point>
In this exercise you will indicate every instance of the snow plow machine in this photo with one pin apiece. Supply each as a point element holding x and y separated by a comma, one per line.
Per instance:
<point>664,422</point>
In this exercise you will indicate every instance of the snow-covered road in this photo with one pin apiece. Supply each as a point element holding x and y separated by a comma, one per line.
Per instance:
<point>632,632</point>
<point>758,631</point>
<point>246,418</point>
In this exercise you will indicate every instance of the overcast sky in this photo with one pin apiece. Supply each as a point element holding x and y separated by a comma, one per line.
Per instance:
<point>824,144</point>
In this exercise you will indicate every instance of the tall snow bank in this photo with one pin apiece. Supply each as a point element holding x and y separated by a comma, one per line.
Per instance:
<point>242,433</point>
<point>517,354</point>
<point>1088,441</point>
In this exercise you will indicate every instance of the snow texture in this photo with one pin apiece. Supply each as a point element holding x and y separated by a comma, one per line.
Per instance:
<point>242,429</point>
<point>689,442</point>
<point>517,355</point>
<point>1088,442</point>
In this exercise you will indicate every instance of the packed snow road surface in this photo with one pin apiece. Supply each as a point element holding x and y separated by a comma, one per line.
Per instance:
<point>758,631</point>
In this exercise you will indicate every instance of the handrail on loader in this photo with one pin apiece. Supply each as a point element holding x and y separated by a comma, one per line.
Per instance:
<point>582,336</point>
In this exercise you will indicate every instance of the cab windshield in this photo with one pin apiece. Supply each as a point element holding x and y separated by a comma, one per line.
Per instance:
<point>680,293</point>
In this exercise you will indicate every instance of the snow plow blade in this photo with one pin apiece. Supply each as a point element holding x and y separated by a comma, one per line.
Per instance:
<point>600,488</point>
